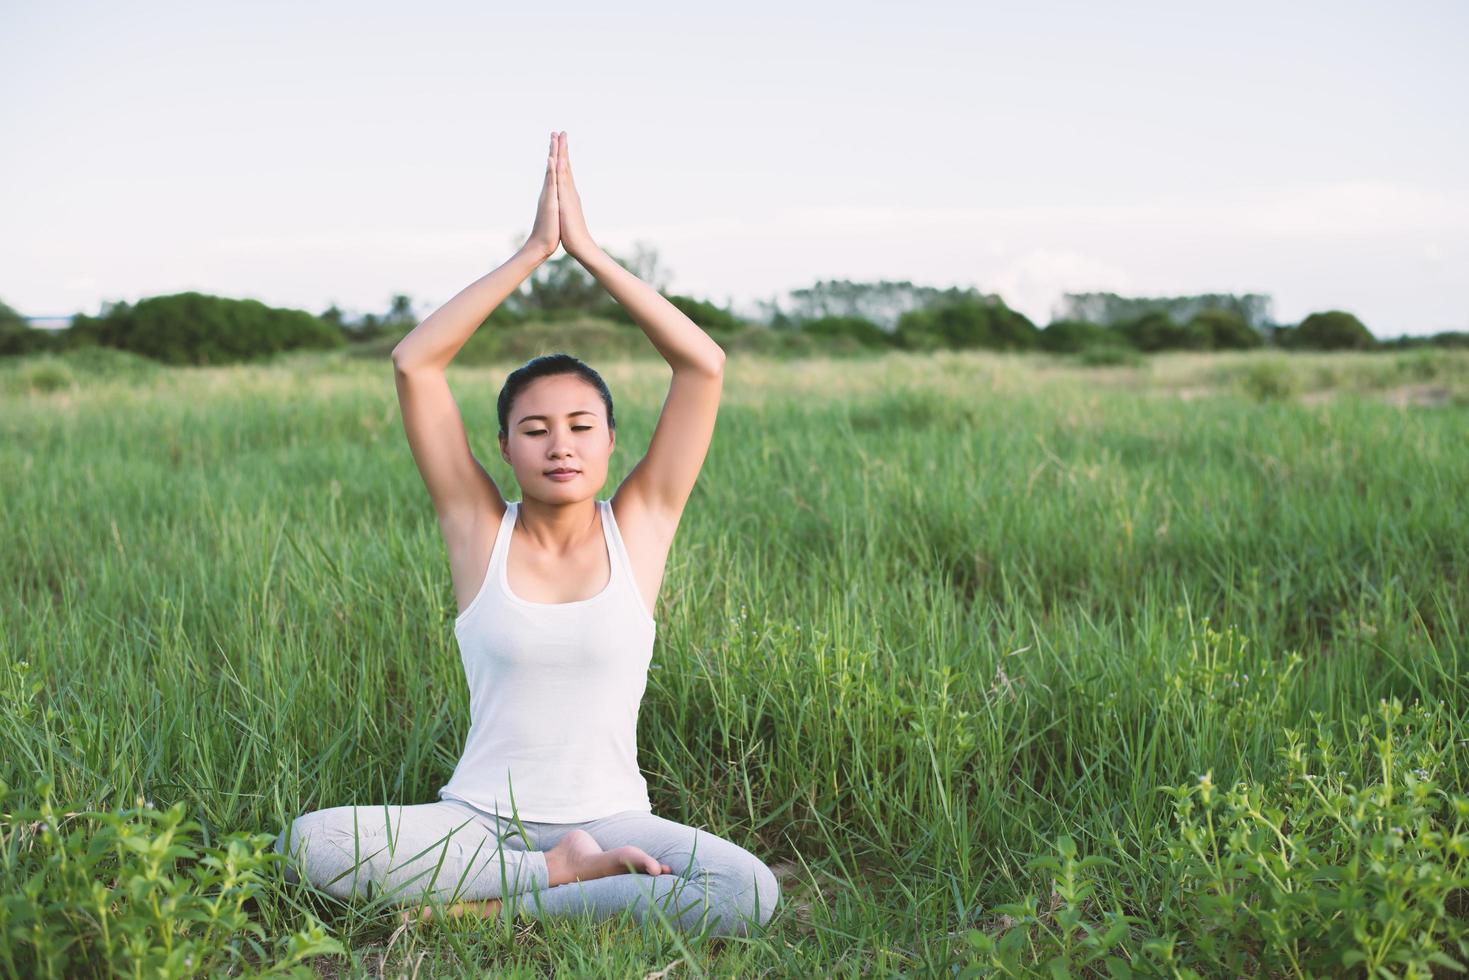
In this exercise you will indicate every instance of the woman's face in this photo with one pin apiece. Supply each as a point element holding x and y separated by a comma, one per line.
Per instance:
<point>558,422</point>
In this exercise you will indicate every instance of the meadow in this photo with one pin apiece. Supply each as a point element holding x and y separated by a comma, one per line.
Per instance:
<point>1008,664</point>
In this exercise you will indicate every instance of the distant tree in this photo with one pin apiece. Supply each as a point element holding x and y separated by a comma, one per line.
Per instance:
<point>1110,309</point>
<point>964,322</point>
<point>857,328</point>
<point>1012,329</point>
<point>561,287</point>
<point>333,316</point>
<point>1333,330</point>
<point>1447,338</point>
<point>1074,336</point>
<point>400,313</point>
<point>1224,330</point>
<point>882,302</point>
<point>17,336</point>
<point>1158,331</point>
<point>706,315</point>
<point>558,287</point>
<point>196,328</point>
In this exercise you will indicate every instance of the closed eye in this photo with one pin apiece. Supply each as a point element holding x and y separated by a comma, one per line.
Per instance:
<point>538,432</point>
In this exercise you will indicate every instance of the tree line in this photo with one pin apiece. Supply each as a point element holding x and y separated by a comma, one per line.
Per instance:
<point>197,328</point>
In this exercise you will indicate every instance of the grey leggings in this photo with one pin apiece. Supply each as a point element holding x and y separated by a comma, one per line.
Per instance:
<point>452,852</point>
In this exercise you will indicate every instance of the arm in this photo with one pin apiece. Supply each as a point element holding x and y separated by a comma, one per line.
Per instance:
<point>460,488</point>
<point>662,480</point>
<point>434,342</point>
<point>683,345</point>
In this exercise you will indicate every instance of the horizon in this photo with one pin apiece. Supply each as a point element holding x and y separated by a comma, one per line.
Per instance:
<point>332,156</point>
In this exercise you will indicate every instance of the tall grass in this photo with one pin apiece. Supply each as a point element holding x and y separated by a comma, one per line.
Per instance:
<point>935,631</point>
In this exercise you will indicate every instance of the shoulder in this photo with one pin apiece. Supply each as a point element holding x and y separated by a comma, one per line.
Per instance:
<point>641,523</point>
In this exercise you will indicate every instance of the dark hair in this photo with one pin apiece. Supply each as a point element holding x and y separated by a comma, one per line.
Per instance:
<point>542,367</point>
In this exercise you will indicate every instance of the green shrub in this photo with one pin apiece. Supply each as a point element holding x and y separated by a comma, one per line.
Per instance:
<point>966,322</point>
<point>1224,330</point>
<point>194,328</point>
<point>1110,355</point>
<point>1353,859</point>
<point>107,893</point>
<point>1420,365</point>
<point>1332,330</point>
<point>1269,380</point>
<point>586,337</point>
<point>1158,331</point>
<point>1073,336</point>
<point>39,373</point>
<point>18,337</point>
<point>856,328</point>
<point>73,368</point>
<point>109,362</point>
<point>706,315</point>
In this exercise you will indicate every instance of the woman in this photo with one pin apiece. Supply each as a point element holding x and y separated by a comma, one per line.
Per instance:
<point>546,808</point>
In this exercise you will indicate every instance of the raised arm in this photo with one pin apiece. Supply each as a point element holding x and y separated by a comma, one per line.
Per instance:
<point>663,479</point>
<point>458,485</point>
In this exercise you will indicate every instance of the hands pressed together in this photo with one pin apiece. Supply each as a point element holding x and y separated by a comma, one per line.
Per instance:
<point>559,218</point>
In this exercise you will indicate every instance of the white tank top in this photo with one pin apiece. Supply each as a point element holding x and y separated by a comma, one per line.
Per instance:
<point>554,690</point>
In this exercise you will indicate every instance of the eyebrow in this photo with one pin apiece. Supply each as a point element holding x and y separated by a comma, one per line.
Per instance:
<point>583,411</point>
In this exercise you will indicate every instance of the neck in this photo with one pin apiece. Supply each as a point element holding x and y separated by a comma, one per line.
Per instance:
<point>558,527</point>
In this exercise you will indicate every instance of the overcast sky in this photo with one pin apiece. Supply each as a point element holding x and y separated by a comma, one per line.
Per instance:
<point>318,153</point>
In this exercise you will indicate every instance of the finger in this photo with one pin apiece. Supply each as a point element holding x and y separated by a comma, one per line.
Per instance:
<point>563,155</point>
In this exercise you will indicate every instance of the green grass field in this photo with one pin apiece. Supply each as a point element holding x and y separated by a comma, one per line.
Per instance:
<point>1003,662</point>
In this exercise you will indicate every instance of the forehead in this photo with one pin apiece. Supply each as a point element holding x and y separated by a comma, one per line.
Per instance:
<point>557,395</point>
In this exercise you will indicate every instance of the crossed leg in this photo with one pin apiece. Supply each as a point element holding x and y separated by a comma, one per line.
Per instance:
<point>711,881</point>
<point>451,852</point>
<point>442,850</point>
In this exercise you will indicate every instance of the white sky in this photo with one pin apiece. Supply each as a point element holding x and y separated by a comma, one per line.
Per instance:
<point>304,154</point>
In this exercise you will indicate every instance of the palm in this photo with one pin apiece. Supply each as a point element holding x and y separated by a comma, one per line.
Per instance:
<point>574,234</point>
<point>546,232</point>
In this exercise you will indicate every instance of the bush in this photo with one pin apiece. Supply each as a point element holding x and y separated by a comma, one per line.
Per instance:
<point>194,328</point>
<point>1268,380</point>
<point>1073,336</point>
<point>1110,355</point>
<point>1157,331</point>
<point>39,372</point>
<point>967,322</point>
<point>1332,330</point>
<point>587,337</point>
<point>1224,330</point>
<point>1354,860</point>
<point>18,337</point>
<point>109,362</point>
<point>107,894</point>
<point>71,368</point>
<point>856,328</point>
<point>706,315</point>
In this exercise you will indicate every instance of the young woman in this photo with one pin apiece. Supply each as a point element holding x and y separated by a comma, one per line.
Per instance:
<point>547,808</point>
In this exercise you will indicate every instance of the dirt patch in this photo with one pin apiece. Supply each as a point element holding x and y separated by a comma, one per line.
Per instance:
<point>1403,396</point>
<point>1422,395</point>
<point>1195,391</point>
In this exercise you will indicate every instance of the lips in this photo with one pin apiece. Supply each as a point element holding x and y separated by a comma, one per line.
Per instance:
<point>561,472</point>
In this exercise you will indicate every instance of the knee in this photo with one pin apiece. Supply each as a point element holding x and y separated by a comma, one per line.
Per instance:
<point>751,893</point>
<point>288,843</point>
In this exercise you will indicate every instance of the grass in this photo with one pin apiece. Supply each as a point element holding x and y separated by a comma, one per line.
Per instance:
<point>953,641</point>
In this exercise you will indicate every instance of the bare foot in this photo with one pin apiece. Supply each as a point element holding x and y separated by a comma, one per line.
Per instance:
<point>578,857</point>
<point>484,908</point>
